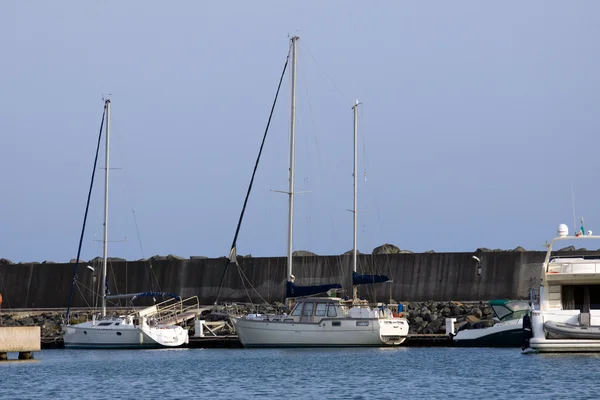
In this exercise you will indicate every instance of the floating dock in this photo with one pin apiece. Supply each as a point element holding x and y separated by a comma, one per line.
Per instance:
<point>232,342</point>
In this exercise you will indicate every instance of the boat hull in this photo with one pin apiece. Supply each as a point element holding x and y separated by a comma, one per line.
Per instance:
<point>502,334</point>
<point>326,333</point>
<point>90,336</point>
<point>558,332</point>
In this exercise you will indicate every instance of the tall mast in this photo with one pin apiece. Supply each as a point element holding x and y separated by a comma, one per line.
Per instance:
<point>355,206</point>
<point>292,154</point>
<point>105,241</point>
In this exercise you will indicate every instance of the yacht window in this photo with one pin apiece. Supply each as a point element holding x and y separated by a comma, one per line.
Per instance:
<point>118,333</point>
<point>331,311</point>
<point>501,311</point>
<point>105,323</point>
<point>320,311</point>
<point>520,306</point>
<point>117,323</point>
<point>297,311</point>
<point>336,323</point>
<point>362,323</point>
<point>308,309</point>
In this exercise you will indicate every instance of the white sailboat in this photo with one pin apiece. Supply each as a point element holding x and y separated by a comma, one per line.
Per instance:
<point>320,321</point>
<point>148,328</point>
<point>567,318</point>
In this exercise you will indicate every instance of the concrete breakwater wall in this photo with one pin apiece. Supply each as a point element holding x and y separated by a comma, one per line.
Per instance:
<point>417,277</point>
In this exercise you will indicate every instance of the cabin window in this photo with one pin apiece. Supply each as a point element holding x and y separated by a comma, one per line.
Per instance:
<point>362,323</point>
<point>105,323</point>
<point>118,333</point>
<point>336,323</point>
<point>501,311</point>
<point>116,324</point>
<point>581,297</point>
<point>331,311</point>
<point>321,308</point>
<point>308,309</point>
<point>297,311</point>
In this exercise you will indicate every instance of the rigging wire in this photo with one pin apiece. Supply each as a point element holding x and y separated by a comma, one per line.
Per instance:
<point>232,253</point>
<point>151,277</point>
<point>344,97</point>
<point>87,207</point>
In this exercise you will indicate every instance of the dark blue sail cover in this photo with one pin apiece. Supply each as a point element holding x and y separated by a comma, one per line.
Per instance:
<point>293,290</point>
<point>155,294</point>
<point>358,279</point>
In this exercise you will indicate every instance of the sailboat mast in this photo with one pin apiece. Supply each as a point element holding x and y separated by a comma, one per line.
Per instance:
<point>355,175</point>
<point>105,241</point>
<point>292,159</point>
<point>355,206</point>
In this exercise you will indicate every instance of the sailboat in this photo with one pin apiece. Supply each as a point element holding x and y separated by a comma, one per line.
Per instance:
<point>150,327</point>
<point>319,321</point>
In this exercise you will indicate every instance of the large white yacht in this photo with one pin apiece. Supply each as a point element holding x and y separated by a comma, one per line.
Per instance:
<point>568,316</point>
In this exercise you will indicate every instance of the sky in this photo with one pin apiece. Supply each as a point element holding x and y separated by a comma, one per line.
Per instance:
<point>478,125</point>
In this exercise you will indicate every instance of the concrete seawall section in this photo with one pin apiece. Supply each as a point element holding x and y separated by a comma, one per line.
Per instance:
<point>416,276</point>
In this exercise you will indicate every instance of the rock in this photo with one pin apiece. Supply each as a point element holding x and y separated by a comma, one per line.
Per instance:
<point>483,249</point>
<point>4,261</point>
<point>303,253</point>
<point>349,253</point>
<point>421,327</point>
<point>174,257</point>
<point>476,312</point>
<point>519,248</point>
<point>74,260</point>
<point>115,259</point>
<point>27,321</point>
<point>158,258</point>
<point>432,317</point>
<point>430,252</point>
<point>458,310</point>
<point>96,259</point>
<point>48,262</point>
<point>568,248</point>
<point>446,312</point>
<point>427,316</point>
<point>386,249</point>
<point>198,258</point>
<point>434,326</point>
<point>458,326</point>
<point>471,319</point>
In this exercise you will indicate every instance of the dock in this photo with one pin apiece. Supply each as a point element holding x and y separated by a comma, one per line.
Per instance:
<point>19,339</point>
<point>428,340</point>
<point>232,342</point>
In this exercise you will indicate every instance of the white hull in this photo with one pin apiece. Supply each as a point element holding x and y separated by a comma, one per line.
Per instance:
<point>540,343</point>
<point>89,335</point>
<point>502,334</point>
<point>368,332</point>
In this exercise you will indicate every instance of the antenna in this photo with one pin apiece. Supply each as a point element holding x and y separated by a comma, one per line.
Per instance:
<point>573,201</point>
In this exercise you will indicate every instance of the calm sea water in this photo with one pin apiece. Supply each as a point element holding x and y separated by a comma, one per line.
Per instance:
<point>388,373</point>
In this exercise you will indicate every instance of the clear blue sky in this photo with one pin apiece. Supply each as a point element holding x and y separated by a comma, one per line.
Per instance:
<point>477,121</point>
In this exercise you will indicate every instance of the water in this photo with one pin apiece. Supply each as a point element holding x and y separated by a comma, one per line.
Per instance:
<point>387,373</point>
